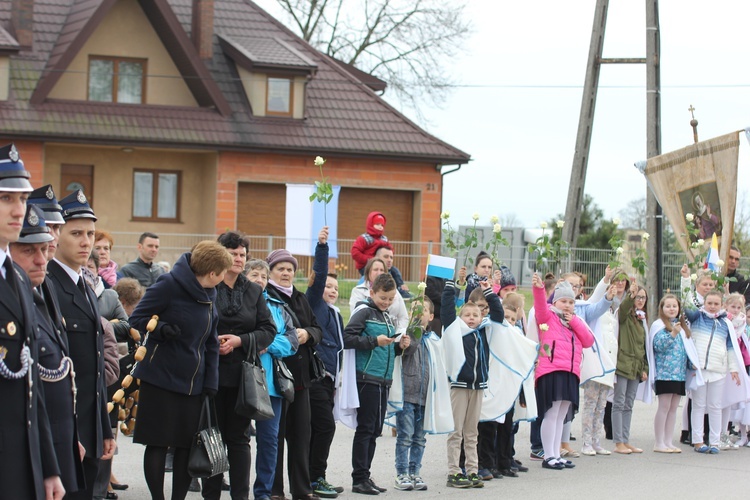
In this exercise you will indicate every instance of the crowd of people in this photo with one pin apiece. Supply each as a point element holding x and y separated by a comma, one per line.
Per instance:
<point>460,357</point>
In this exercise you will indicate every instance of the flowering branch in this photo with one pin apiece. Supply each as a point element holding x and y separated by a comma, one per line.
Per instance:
<point>547,251</point>
<point>497,240</point>
<point>470,240</point>
<point>640,261</point>
<point>616,242</point>
<point>415,327</point>
<point>323,189</point>
<point>452,238</point>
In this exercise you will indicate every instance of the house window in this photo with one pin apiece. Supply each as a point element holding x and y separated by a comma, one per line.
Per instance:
<point>279,97</point>
<point>156,195</point>
<point>116,79</point>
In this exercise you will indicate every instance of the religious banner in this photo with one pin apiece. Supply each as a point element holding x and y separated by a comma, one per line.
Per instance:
<point>701,180</point>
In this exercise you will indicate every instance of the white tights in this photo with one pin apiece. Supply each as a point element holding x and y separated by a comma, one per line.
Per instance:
<point>552,428</point>
<point>664,420</point>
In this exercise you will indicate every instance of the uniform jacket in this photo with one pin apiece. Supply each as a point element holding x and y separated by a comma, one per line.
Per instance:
<point>366,244</point>
<point>58,396</point>
<point>242,312</point>
<point>86,340</point>
<point>190,362</point>
<point>28,454</point>
<point>303,317</point>
<point>329,319</point>
<point>374,363</point>
<point>564,343</point>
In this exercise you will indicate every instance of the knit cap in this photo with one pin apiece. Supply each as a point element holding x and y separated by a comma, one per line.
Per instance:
<point>281,255</point>
<point>506,277</point>
<point>563,290</point>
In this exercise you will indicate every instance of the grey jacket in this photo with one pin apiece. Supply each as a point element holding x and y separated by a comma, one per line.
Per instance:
<point>415,372</point>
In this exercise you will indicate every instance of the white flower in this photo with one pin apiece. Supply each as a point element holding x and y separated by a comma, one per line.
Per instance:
<point>720,263</point>
<point>494,219</point>
<point>543,327</point>
<point>689,217</point>
<point>319,160</point>
<point>560,224</point>
<point>616,221</point>
<point>421,286</point>
<point>543,225</point>
<point>694,244</point>
<point>619,250</point>
<point>645,236</point>
<point>496,228</point>
<point>445,215</point>
<point>700,242</point>
<point>693,277</point>
<point>475,216</point>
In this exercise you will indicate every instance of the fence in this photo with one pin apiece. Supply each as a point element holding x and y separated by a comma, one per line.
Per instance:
<point>409,257</point>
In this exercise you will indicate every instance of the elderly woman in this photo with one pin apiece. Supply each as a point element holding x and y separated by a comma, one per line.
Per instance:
<point>103,243</point>
<point>242,314</point>
<point>296,416</point>
<point>181,363</point>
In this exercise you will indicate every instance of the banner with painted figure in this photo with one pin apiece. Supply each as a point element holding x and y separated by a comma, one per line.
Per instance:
<point>700,179</point>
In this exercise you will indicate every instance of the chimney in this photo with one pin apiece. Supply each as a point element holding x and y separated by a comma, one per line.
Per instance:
<point>22,22</point>
<point>203,27</point>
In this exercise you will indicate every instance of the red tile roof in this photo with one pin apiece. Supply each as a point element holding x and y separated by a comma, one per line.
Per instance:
<point>342,115</point>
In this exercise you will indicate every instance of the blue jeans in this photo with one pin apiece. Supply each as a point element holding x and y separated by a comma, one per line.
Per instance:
<point>267,445</point>
<point>410,439</point>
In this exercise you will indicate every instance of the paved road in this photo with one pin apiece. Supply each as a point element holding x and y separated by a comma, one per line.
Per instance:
<point>650,475</point>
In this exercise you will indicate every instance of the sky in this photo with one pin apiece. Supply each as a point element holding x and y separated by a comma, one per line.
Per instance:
<point>516,107</point>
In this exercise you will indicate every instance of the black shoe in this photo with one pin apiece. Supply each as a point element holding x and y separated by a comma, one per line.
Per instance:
<point>119,486</point>
<point>572,437</point>
<point>194,485</point>
<point>364,488</point>
<point>380,490</point>
<point>566,463</point>
<point>111,495</point>
<point>496,474</point>
<point>521,468</point>
<point>508,473</point>
<point>556,466</point>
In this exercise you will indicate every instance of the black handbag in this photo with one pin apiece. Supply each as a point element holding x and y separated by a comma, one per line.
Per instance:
<point>253,400</point>
<point>317,367</point>
<point>208,456</point>
<point>283,380</point>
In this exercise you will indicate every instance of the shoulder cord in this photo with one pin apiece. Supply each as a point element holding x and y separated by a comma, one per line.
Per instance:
<point>56,374</point>
<point>26,362</point>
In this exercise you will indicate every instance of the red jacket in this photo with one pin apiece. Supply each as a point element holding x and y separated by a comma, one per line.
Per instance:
<point>366,244</point>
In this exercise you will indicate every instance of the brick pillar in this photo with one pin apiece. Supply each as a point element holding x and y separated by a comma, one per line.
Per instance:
<point>203,27</point>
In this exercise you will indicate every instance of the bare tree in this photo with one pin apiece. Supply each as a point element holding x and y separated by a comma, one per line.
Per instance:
<point>509,220</point>
<point>406,43</point>
<point>634,214</point>
<point>741,237</point>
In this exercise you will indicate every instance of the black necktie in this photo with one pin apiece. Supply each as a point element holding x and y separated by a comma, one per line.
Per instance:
<point>10,276</point>
<point>82,288</point>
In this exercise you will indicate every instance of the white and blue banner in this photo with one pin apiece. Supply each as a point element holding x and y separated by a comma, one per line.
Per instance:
<point>440,267</point>
<point>304,218</point>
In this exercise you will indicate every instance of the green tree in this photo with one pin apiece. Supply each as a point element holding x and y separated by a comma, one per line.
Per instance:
<point>595,229</point>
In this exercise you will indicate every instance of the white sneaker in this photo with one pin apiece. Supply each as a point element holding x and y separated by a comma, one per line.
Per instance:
<point>726,444</point>
<point>601,451</point>
<point>588,450</point>
<point>403,482</point>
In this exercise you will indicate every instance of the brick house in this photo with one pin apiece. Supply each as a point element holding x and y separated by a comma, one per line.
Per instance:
<point>190,116</point>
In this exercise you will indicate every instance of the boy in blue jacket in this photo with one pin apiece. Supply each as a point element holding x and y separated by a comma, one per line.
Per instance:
<point>371,333</point>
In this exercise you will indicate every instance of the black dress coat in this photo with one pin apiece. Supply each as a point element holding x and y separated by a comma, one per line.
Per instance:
<point>86,340</point>
<point>58,396</point>
<point>27,455</point>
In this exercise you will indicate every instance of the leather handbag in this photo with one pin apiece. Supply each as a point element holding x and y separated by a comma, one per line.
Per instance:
<point>253,400</point>
<point>317,367</point>
<point>283,380</point>
<point>208,456</point>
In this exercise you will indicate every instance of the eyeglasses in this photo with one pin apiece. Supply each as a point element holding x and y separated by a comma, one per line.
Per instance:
<point>640,297</point>
<point>485,307</point>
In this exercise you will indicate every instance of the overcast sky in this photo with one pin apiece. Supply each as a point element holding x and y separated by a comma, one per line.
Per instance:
<point>516,110</point>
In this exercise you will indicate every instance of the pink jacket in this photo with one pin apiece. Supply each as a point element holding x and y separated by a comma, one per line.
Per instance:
<point>565,344</point>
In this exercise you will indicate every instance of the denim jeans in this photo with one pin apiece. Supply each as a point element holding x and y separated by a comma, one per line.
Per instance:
<point>266,438</point>
<point>410,439</point>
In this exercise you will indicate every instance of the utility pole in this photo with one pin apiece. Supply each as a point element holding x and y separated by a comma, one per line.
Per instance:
<point>654,218</point>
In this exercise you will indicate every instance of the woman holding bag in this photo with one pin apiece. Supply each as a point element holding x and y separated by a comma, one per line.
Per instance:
<point>295,417</point>
<point>242,314</point>
<point>181,361</point>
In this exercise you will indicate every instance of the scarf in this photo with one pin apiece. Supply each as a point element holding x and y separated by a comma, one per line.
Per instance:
<point>719,315</point>
<point>109,273</point>
<point>560,315</point>
<point>286,290</point>
<point>229,300</point>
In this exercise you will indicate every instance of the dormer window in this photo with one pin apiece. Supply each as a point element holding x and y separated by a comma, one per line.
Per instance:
<point>279,96</point>
<point>117,79</point>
